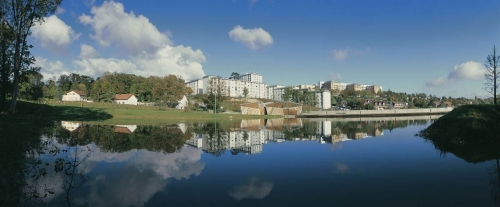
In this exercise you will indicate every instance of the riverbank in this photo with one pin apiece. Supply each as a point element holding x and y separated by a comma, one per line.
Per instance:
<point>375,113</point>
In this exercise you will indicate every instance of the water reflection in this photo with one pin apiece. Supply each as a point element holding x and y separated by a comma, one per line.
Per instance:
<point>249,136</point>
<point>127,165</point>
<point>475,146</point>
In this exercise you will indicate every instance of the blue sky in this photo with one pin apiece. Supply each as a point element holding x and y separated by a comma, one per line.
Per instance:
<point>435,47</point>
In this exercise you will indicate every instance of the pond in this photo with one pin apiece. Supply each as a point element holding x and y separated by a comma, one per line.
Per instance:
<point>274,162</point>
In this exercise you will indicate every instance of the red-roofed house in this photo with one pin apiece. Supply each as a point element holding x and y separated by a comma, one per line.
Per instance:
<point>126,99</point>
<point>74,95</point>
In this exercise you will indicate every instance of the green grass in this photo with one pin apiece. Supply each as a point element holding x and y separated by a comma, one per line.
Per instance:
<point>109,113</point>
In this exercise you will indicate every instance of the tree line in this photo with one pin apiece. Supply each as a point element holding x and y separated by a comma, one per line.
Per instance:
<point>167,90</point>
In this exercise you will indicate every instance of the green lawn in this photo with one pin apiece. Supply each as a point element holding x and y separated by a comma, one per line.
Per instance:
<point>109,113</point>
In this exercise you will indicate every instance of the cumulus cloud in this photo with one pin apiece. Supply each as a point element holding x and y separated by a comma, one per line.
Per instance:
<point>54,34</point>
<point>254,39</point>
<point>335,76</point>
<point>148,51</point>
<point>254,187</point>
<point>49,69</point>
<point>466,71</point>
<point>111,24</point>
<point>87,51</point>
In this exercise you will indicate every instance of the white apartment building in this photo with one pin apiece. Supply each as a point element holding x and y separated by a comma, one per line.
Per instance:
<point>323,99</point>
<point>271,92</point>
<point>251,77</point>
<point>235,88</point>
<point>196,86</point>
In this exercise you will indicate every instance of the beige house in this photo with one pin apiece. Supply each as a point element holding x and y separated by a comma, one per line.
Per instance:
<point>74,95</point>
<point>129,99</point>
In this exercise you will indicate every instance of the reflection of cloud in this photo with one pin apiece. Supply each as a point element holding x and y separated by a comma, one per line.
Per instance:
<point>254,187</point>
<point>341,168</point>
<point>143,174</point>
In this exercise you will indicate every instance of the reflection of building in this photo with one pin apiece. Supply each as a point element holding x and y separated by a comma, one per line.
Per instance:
<point>125,129</point>
<point>250,136</point>
<point>70,126</point>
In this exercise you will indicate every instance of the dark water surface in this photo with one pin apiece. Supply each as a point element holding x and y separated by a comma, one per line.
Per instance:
<point>292,162</point>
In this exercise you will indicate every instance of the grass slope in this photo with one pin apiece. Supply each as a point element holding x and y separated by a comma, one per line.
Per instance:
<point>471,132</point>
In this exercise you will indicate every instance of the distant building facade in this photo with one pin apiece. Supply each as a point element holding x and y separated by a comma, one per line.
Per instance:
<point>74,95</point>
<point>323,99</point>
<point>129,99</point>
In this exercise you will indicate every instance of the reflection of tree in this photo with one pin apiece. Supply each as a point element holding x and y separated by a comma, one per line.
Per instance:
<point>494,173</point>
<point>306,130</point>
<point>52,168</point>
<point>217,138</point>
<point>168,138</point>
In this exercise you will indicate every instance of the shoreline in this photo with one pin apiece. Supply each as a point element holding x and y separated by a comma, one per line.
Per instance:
<point>375,113</point>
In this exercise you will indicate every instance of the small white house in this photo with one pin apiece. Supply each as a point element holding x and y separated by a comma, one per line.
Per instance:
<point>74,95</point>
<point>126,99</point>
<point>182,103</point>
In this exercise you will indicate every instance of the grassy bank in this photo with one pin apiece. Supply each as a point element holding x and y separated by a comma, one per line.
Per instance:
<point>109,113</point>
<point>471,132</point>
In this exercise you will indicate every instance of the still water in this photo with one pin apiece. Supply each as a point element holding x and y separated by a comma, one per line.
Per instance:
<point>275,162</point>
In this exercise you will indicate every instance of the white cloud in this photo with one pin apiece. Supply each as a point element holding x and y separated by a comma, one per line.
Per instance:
<point>54,34</point>
<point>111,24</point>
<point>437,82</point>
<point>340,54</point>
<point>254,187</point>
<point>60,10</point>
<point>178,60</point>
<point>148,51</point>
<point>253,2</point>
<point>335,76</point>
<point>87,51</point>
<point>468,71</point>
<point>50,70</point>
<point>253,38</point>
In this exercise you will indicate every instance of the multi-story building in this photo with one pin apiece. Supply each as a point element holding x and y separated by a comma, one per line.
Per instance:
<point>251,77</point>
<point>271,92</point>
<point>374,88</point>
<point>196,86</point>
<point>323,99</point>
<point>355,87</point>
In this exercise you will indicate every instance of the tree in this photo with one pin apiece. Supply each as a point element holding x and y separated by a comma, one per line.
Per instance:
<point>235,76</point>
<point>216,93</point>
<point>20,16</point>
<point>245,92</point>
<point>5,60</point>
<point>492,74</point>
